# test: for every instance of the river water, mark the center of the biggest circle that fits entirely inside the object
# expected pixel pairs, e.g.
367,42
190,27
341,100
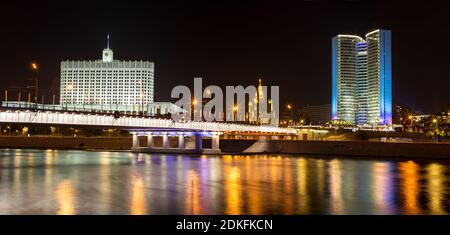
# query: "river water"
89,182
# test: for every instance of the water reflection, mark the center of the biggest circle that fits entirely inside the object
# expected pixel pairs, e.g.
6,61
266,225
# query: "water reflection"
409,172
192,193
383,187
232,186
81,182
435,188
302,185
335,177
65,198
138,201
254,198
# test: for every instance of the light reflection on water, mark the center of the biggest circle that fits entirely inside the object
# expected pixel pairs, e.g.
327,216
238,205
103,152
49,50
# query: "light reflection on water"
84,182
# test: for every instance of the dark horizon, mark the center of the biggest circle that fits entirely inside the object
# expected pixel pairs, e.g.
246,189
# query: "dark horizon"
231,43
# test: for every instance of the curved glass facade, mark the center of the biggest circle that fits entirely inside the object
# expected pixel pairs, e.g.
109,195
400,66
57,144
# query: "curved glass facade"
361,78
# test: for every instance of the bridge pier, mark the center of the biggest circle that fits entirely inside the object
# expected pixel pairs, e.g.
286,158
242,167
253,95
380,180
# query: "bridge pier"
135,141
215,141
182,147
198,141
165,144
181,141
150,143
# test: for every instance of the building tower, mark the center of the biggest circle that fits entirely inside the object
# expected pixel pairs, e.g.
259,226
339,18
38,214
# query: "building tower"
379,77
361,78
362,83
107,52
345,77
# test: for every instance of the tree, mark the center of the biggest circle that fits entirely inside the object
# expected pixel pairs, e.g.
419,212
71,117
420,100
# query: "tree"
435,126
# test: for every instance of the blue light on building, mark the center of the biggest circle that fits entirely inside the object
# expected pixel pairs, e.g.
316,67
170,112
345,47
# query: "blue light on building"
362,78
334,82
385,78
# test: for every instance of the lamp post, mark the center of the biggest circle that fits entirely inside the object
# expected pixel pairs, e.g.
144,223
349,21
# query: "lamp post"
250,112
69,88
235,109
271,109
36,83
436,130
289,107
194,103
101,104
141,97
29,100
6,97
411,121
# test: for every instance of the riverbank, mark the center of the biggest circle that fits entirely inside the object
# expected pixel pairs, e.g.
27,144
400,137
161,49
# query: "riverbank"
340,148
231,146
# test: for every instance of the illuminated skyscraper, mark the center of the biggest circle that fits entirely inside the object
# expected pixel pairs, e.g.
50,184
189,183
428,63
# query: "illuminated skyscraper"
379,77
362,83
361,78
344,77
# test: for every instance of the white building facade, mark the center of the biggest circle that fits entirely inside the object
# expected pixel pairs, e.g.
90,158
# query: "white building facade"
110,85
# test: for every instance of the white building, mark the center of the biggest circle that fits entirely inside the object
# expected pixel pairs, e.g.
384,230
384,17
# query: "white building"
110,85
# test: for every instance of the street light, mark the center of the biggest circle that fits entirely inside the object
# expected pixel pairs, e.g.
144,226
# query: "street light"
193,111
289,107
235,109
69,88
250,112
436,126
411,119
141,98
34,66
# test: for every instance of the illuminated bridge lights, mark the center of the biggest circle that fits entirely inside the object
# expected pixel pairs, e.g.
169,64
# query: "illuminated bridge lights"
84,119
176,134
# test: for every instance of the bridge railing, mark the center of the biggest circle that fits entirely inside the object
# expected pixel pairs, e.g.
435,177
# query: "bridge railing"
63,118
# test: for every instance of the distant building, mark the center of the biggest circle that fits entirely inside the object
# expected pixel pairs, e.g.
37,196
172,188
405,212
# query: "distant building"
361,78
316,114
397,115
108,84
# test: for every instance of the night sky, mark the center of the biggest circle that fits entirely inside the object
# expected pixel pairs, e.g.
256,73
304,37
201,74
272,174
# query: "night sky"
230,43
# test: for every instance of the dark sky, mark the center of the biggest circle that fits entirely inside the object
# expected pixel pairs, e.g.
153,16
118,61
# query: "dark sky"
230,43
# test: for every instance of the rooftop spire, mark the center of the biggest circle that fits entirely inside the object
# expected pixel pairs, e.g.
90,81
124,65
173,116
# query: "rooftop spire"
107,52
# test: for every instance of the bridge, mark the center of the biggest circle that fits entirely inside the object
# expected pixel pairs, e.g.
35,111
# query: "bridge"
144,126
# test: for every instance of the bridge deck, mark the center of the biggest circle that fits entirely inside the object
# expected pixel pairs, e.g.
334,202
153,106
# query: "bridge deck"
127,122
